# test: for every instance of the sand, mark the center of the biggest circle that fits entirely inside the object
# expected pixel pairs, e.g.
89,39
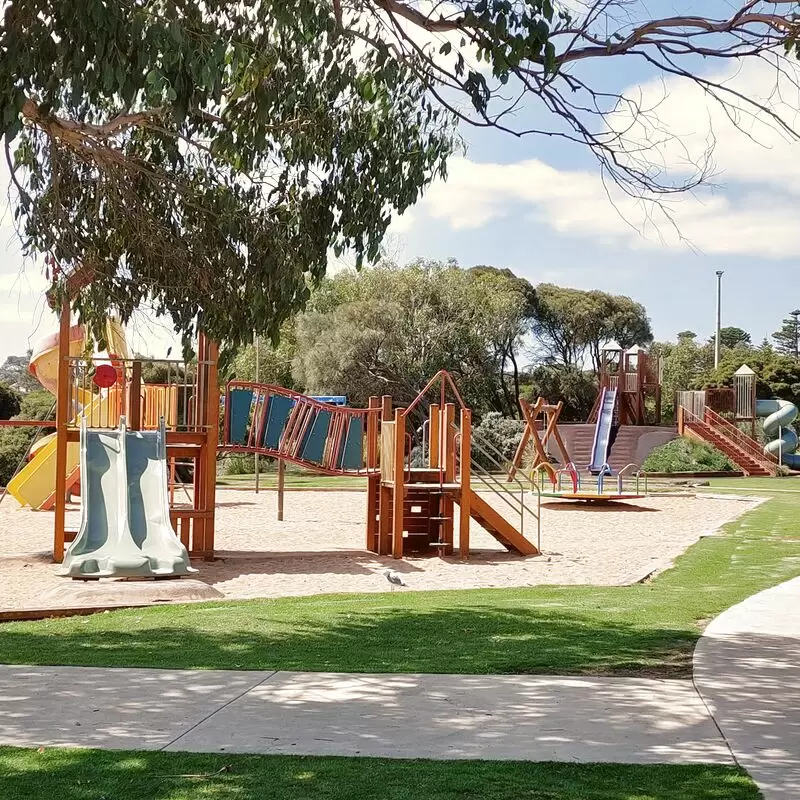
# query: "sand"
319,548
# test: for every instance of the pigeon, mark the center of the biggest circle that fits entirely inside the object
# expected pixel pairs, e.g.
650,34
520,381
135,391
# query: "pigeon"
395,578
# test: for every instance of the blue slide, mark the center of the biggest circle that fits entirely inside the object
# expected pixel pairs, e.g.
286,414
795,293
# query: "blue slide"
602,430
779,416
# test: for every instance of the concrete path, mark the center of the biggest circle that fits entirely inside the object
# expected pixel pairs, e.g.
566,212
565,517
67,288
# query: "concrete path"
747,669
401,716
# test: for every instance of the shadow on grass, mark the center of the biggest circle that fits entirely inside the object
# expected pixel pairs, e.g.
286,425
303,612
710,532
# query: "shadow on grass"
380,634
91,775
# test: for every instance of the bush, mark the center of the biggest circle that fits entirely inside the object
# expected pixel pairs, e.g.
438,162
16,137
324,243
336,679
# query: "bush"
687,455
241,465
9,401
15,441
502,433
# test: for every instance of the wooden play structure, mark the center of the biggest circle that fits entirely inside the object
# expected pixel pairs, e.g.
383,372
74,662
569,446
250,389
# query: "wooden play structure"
188,402
412,491
634,378
541,416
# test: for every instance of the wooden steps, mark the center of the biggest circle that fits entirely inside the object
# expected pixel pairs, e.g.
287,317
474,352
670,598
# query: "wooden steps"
743,460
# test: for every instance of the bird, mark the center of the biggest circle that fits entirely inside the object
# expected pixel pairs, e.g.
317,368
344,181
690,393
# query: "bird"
395,578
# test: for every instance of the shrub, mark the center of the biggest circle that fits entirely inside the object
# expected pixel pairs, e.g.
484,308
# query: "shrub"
687,455
15,441
241,465
9,401
502,433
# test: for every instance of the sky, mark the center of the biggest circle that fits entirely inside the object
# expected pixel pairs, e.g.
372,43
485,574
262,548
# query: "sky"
540,207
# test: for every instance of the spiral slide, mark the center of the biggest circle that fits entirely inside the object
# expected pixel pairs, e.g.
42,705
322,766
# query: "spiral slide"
34,485
779,415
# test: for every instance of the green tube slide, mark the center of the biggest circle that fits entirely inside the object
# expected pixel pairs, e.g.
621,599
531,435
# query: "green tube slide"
778,416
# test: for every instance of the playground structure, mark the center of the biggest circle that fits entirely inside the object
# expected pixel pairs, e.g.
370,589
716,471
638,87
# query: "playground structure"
100,390
548,414
721,416
410,502
633,379
541,427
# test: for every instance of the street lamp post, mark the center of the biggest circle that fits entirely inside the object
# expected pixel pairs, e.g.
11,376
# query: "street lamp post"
720,273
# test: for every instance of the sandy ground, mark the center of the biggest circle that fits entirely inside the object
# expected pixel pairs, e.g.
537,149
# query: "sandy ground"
319,547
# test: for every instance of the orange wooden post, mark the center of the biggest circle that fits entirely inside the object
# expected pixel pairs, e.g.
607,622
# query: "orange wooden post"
385,492
62,420
516,462
281,487
466,490
373,480
434,428
447,462
135,397
398,483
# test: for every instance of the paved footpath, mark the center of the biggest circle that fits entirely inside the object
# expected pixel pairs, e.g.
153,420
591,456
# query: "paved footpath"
403,716
747,669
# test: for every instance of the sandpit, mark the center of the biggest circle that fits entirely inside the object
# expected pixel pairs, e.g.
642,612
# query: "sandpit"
319,548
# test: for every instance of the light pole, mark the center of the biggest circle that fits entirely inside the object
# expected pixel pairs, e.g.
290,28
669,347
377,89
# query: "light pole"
720,273
795,314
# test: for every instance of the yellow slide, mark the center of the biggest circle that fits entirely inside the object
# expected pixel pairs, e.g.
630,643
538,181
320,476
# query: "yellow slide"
34,485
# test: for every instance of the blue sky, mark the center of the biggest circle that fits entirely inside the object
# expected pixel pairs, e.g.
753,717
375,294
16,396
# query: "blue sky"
538,207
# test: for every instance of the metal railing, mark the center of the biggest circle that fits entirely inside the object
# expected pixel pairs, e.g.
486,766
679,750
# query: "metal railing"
500,488
733,435
639,474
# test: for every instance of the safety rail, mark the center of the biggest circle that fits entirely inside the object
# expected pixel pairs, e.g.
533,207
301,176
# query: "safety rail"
570,469
491,482
540,470
174,397
734,436
640,473
299,429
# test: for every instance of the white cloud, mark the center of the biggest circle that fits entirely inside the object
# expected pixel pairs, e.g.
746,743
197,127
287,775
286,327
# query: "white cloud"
751,209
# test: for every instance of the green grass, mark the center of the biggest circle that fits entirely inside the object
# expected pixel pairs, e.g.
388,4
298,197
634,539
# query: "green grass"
647,629
99,775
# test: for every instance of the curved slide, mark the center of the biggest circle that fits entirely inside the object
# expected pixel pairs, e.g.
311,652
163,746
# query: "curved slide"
34,485
779,415
125,528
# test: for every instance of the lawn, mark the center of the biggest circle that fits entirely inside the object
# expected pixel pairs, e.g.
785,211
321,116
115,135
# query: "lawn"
103,775
647,629
293,480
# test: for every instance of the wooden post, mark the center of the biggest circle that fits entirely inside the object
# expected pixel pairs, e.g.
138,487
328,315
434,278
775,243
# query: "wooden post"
399,483
465,459
448,437
135,398
62,421
385,491
434,429
281,477
373,480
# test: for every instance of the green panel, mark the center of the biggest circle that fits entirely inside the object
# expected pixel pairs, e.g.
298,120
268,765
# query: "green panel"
352,452
239,415
316,436
277,414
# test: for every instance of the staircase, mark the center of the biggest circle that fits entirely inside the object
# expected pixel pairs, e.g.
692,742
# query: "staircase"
728,439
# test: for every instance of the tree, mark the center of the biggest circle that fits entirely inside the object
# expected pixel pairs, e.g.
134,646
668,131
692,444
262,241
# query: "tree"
16,374
388,330
9,401
205,157
569,323
686,335
787,338
576,388
731,337
274,360
685,365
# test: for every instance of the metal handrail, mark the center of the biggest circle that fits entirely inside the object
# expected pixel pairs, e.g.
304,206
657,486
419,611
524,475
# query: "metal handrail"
738,439
570,469
503,492
544,466
639,473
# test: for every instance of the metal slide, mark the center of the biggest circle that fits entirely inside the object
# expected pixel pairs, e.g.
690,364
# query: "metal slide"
125,528
602,430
